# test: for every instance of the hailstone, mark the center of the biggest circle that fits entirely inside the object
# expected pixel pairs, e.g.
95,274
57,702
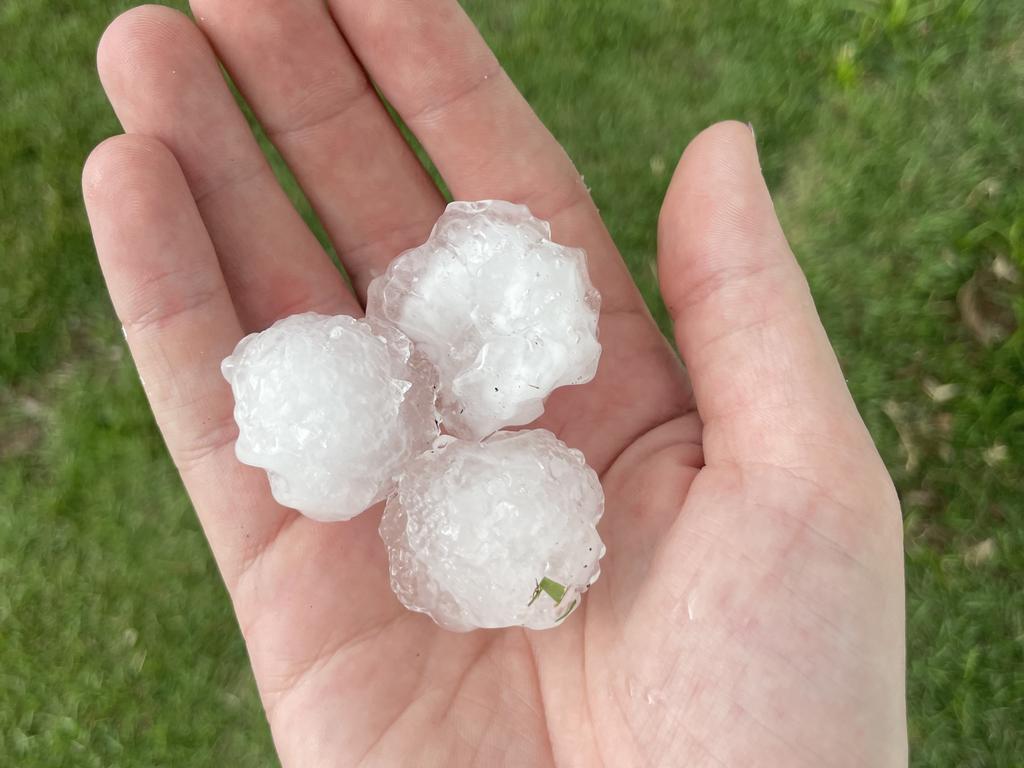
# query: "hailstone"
505,314
496,533
332,408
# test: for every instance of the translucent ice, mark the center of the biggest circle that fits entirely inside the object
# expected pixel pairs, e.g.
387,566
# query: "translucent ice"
489,534
505,314
332,408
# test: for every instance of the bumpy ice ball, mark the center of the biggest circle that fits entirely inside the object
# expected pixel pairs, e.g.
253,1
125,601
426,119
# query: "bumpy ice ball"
505,314
332,408
496,533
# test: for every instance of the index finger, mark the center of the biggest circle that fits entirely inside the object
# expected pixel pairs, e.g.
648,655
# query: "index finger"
432,65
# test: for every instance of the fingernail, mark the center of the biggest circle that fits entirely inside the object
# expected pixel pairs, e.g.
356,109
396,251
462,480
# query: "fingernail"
757,149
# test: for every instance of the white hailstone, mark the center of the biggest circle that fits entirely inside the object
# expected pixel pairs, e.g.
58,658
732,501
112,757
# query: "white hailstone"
496,533
332,408
505,314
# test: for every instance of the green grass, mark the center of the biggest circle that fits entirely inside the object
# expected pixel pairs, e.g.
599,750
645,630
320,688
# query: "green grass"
891,134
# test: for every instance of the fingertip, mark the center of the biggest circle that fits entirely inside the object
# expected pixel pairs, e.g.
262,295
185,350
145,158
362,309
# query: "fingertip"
96,167
122,166
135,42
132,185
723,160
718,219
723,134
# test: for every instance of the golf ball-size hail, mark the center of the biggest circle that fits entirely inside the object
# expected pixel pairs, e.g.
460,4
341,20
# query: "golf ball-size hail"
496,533
333,408
504,314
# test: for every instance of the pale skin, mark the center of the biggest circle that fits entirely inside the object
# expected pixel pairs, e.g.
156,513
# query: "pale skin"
750,610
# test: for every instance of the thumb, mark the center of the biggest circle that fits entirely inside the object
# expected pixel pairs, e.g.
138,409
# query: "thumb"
766,381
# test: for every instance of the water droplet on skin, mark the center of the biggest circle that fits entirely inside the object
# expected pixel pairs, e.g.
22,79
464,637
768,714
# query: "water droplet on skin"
652,697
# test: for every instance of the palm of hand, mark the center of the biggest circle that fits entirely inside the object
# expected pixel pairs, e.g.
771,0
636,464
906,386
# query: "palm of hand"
750,609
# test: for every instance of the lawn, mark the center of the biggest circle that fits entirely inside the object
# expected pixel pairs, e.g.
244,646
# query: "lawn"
890,133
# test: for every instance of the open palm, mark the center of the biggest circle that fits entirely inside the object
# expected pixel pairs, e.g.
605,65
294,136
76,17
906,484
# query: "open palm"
751,605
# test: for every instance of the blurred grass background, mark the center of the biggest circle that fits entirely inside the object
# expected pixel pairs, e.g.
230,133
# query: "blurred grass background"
890,133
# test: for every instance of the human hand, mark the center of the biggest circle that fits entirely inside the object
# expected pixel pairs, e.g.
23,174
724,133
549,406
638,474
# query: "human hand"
750,609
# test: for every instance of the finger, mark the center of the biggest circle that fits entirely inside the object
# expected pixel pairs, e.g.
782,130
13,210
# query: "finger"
170,296
163,81
432,65
766,381
317,106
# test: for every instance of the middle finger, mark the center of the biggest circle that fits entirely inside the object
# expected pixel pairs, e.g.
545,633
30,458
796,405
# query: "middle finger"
320,110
